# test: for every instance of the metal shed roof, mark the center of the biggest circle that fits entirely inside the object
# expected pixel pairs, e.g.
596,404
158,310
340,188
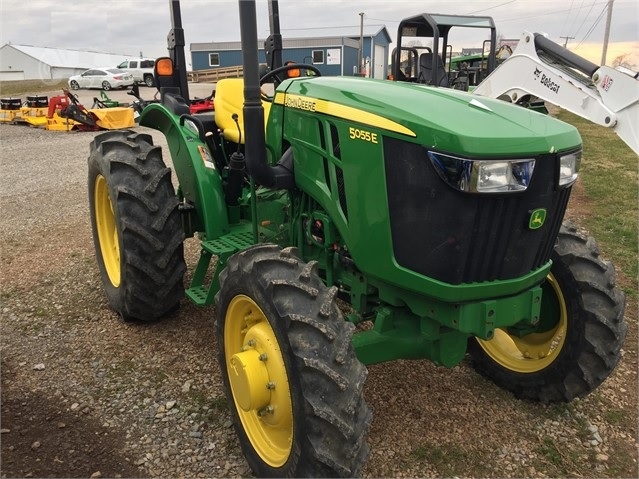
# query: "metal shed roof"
66,58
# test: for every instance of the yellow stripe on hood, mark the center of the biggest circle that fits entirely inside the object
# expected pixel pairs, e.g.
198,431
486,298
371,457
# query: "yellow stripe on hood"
340,111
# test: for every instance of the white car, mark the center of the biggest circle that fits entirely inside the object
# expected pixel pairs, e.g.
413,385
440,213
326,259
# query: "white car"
103,78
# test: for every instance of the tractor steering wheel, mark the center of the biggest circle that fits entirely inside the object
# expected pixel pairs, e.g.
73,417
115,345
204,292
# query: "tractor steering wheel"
291,66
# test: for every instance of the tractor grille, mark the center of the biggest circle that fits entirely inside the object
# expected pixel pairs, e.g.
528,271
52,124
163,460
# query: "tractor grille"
458,237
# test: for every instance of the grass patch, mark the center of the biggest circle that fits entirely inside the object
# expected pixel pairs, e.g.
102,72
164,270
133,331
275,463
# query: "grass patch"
622,460
449,460
446,459
616,416
122,369
610,179
200,398
218,410
41,312
213,410
549,451
157,377
19,87
558,461
220,403
5,295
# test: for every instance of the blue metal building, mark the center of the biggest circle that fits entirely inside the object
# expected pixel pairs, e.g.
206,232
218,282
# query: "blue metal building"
333,55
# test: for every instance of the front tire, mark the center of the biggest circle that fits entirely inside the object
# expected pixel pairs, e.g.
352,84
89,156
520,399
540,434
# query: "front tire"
74,85
136,225
578,341
294,384
148,80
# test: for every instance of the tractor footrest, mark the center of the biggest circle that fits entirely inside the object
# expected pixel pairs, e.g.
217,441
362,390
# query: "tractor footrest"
198,294
230,243
204,294
218,247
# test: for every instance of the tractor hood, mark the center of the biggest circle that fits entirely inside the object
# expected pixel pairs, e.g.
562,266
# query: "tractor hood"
439,118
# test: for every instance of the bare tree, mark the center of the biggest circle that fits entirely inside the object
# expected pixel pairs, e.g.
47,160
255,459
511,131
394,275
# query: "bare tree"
623,61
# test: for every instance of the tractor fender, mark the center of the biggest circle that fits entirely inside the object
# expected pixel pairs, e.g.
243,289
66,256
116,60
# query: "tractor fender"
199,179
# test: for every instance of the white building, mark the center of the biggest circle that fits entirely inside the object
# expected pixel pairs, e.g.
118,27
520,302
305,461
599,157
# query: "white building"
24,62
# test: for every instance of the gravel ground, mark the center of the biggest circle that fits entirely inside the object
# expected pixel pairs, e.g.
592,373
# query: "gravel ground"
86,395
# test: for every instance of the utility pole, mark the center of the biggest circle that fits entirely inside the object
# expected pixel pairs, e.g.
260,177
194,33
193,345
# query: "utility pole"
566,42
607,32
361,43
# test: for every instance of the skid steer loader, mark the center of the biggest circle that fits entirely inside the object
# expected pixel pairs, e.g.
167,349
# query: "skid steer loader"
435,214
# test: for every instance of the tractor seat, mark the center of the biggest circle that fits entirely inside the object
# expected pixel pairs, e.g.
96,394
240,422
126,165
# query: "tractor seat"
229,100
438,77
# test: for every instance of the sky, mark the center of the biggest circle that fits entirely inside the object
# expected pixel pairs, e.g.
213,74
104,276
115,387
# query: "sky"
135,27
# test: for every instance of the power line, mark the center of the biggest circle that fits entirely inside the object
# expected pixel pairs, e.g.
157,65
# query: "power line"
490,8
586,17
594,25
607,32
541,14
575,17
388,20
567,16
383,20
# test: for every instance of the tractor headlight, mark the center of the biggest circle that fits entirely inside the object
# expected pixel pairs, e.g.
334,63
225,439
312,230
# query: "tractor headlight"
483,176
569,168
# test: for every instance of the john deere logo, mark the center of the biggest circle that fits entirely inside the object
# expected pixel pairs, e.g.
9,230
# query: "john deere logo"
537,218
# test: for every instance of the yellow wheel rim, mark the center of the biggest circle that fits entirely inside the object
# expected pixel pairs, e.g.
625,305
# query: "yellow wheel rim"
258,380
107,231
535,351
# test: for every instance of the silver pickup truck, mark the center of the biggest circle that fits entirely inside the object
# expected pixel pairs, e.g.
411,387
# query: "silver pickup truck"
141,68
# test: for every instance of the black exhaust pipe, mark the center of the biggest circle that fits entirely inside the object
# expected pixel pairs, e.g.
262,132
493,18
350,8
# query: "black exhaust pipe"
279,176
176,43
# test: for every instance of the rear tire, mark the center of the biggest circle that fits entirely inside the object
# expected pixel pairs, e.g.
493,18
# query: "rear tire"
293,382
136,225
148,80
106,85
579,338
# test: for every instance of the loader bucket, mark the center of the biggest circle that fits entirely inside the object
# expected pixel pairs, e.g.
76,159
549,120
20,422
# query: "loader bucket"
114,118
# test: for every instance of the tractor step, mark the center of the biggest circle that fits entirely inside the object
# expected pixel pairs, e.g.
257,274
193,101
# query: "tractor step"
200,293
231,242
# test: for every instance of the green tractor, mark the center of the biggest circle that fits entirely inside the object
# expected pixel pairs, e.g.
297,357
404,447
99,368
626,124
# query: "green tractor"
347,221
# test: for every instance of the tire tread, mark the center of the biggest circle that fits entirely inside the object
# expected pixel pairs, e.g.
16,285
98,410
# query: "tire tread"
149,224
596,333
335,415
